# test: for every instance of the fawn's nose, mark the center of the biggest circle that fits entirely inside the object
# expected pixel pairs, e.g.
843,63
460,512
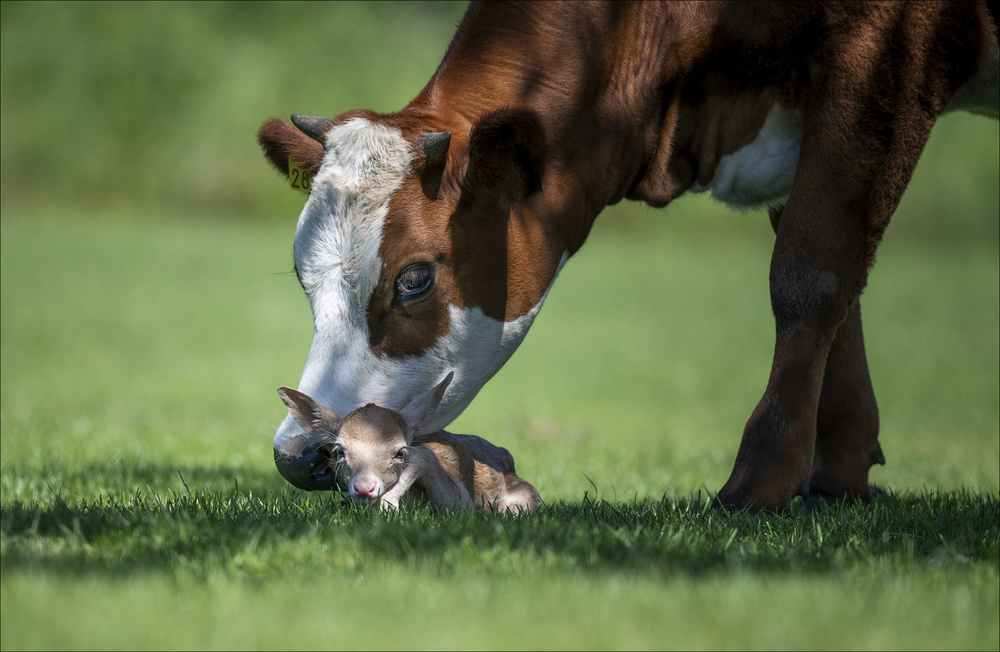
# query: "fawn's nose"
362,488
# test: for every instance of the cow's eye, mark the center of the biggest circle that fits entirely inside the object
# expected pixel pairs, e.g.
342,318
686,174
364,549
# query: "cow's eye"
414,280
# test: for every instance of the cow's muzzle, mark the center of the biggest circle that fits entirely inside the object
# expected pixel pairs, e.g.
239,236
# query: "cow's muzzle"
309,470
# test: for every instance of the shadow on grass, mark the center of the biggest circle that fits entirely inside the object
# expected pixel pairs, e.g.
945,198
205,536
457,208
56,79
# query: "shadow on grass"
121,519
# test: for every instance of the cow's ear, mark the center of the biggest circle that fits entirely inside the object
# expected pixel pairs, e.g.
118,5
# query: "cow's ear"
281,141
506,152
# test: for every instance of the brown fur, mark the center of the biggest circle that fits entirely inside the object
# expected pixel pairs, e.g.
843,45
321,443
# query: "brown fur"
374,454
280,140
486,471
558,109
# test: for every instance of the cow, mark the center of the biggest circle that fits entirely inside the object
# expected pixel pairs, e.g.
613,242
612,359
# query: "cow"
432,236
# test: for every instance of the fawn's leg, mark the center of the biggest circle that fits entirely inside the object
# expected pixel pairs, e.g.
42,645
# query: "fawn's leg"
410,475
441,489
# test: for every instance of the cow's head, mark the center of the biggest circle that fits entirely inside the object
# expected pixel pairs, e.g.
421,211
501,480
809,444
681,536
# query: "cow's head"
419,257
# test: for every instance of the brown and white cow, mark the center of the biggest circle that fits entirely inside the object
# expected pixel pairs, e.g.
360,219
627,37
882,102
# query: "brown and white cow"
432,235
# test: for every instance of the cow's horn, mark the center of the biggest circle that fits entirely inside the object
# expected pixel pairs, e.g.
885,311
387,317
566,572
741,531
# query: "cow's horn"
312,126
435,145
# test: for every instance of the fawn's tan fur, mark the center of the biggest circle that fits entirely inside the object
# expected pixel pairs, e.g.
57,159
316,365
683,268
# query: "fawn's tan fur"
375,453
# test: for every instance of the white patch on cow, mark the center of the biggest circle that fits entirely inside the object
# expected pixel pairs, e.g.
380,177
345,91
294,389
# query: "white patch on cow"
342,373
760,173
340,229
337,256
981,94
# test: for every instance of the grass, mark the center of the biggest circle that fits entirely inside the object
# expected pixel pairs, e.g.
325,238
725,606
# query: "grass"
149,310
140,507
228,569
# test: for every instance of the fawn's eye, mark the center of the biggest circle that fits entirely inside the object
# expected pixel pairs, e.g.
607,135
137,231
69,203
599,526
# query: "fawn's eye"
336,454
401,455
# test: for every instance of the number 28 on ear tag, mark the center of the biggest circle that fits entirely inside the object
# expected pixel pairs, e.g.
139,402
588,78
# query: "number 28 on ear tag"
299,178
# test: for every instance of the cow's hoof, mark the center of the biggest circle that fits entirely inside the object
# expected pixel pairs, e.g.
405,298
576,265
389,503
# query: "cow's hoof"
738,501
815,499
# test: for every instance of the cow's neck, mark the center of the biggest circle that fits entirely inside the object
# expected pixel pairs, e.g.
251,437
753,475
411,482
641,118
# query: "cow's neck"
603,129
624,115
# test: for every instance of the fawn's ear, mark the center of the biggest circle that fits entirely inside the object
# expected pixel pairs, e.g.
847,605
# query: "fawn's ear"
315,419
423,407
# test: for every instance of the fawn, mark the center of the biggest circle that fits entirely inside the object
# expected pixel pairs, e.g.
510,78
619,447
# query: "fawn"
375,453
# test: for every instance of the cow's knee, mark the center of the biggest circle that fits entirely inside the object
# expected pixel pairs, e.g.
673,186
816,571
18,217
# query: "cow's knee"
810,295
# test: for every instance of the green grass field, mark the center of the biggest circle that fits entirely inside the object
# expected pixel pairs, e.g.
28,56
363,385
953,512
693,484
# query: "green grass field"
149,310
140,507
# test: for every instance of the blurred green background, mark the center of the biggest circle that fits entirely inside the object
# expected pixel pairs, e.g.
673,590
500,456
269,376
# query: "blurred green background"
150,108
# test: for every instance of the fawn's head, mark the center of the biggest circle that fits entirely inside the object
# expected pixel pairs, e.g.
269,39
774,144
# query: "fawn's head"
368,449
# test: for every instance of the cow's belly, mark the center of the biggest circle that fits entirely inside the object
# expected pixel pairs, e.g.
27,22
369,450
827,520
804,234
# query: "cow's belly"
760,173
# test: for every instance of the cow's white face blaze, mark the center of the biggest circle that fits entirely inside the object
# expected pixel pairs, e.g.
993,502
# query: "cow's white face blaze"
394,316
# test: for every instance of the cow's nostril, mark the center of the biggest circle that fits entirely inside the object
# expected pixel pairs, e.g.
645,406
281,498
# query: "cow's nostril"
323,476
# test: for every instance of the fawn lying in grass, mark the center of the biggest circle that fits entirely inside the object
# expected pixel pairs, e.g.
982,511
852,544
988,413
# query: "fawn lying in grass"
374,452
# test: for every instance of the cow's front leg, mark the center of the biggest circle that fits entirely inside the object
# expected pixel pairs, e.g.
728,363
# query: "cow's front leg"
865,123
816,277
847,419
847,422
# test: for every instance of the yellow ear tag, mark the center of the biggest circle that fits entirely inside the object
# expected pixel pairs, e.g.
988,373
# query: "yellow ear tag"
298,178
